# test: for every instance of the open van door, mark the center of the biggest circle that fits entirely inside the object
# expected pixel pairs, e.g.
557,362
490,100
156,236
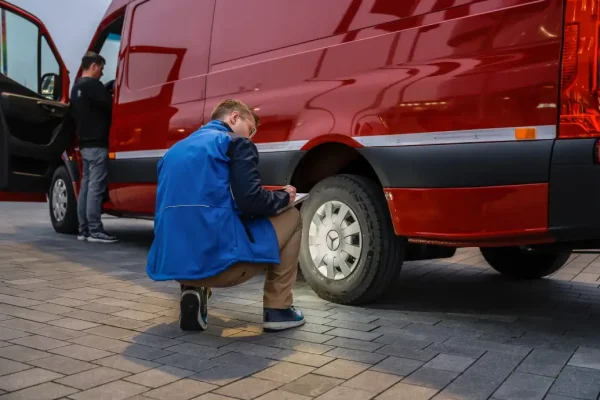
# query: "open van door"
35,127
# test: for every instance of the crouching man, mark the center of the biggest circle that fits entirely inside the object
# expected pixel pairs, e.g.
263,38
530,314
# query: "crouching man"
215,225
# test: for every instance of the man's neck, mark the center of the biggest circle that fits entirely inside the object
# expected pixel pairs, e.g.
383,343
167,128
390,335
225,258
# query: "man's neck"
84,75
226,125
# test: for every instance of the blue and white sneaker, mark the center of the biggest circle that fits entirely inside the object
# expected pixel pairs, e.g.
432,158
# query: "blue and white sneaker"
83,236
101,237
278,320
193,309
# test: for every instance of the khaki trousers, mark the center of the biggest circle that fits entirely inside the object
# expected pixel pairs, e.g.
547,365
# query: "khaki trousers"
279,279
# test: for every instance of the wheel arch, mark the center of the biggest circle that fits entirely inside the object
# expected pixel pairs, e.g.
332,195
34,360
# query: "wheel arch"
72,168
328,159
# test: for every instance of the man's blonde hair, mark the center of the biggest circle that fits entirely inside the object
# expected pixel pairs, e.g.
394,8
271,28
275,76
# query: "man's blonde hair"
226,107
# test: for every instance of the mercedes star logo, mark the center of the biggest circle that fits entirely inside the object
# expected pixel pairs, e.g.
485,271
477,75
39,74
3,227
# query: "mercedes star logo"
333,240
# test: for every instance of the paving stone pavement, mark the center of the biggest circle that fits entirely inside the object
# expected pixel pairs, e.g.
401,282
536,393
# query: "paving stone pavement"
83,321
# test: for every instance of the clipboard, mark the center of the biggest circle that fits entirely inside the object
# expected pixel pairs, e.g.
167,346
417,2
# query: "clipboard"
300,197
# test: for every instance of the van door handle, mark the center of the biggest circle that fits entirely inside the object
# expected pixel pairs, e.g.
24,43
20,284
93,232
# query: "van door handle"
48,107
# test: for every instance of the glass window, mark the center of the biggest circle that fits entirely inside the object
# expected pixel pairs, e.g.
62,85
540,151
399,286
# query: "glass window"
110,52
19,49
49,66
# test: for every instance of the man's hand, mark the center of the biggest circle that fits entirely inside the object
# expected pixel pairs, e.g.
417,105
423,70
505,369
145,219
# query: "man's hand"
291,191
110,86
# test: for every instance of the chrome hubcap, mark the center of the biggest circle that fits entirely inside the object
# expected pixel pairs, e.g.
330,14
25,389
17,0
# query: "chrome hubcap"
59,200
335,240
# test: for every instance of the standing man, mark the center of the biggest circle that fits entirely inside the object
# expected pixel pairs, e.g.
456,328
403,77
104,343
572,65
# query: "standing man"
216,226
91,104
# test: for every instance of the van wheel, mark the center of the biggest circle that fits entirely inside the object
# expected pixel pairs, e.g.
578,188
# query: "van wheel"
349,252
62,202
519,264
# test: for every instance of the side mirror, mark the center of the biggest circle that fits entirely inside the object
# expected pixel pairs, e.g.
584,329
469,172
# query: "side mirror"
50,86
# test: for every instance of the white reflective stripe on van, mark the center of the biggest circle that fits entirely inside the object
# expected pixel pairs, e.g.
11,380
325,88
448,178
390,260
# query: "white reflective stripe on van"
542,132
280,146
127,155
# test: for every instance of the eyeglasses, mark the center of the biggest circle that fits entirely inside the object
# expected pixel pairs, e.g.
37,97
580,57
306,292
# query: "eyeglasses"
252,130
252,133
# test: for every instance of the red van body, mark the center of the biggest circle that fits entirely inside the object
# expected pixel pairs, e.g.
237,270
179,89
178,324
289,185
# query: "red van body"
439,123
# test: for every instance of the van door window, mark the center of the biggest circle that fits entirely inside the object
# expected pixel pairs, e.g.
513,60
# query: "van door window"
19,41
26,57
110,52
49,72
109,47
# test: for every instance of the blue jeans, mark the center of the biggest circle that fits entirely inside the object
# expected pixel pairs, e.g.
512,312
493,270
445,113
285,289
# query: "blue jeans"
93,186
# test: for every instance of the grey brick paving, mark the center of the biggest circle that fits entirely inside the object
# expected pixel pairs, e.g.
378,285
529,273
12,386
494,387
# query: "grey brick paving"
343,369
9,366
63,365
248,388
431,378
581,383
23,379
586,358
84,321
523,387
403,391
225,374
398,366
408,352
184,361
450,363
372,381
45,391
545,362
312,385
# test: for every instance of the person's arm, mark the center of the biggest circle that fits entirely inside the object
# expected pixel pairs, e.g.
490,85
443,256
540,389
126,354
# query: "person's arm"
99,96
246,188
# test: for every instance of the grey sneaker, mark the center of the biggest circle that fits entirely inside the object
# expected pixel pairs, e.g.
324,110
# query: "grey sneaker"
101,237
83,236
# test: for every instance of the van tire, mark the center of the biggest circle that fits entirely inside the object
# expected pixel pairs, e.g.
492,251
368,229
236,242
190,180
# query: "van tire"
61,180
518,264
382,254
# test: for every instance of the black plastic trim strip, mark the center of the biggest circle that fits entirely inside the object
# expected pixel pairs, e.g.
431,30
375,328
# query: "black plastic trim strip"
461,165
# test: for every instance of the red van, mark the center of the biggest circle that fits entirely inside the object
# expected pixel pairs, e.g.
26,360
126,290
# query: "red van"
418,126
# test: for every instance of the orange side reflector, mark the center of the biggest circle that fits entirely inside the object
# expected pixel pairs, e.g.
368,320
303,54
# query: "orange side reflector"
525,133
111,156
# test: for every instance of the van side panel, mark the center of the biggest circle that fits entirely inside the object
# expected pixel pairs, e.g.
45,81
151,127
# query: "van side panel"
404,78
475,65
165,54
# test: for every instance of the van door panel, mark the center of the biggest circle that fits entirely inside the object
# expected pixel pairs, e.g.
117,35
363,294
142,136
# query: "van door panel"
34,133
156,107
35,130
